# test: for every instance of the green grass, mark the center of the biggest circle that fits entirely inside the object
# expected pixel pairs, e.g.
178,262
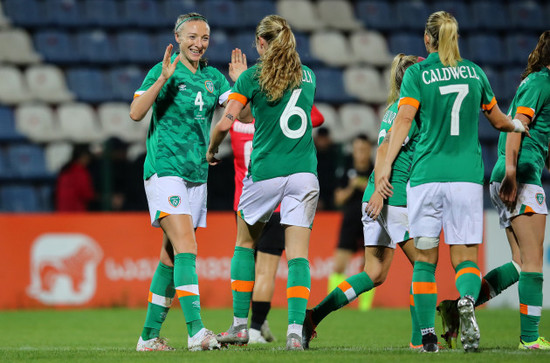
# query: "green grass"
110,335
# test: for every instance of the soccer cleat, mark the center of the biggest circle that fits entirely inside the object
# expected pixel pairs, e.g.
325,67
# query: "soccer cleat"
469,330
294,342
255,337
154,344
203,340
415,347
266,332
308,331
450,321
540,343
237,335
429,343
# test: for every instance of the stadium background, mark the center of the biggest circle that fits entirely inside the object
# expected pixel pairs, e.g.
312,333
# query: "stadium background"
68,70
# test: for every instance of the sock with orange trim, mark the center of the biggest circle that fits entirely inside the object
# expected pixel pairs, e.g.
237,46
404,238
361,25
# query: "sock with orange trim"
416,335
297,290
468,279
530,304
242,282
187,289
161,294
342,295
497,280
424,290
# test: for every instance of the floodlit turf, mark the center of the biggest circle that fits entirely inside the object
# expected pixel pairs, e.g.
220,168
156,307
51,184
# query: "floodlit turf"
381,335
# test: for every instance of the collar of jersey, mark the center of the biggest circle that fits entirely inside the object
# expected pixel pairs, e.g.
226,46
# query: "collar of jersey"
180,65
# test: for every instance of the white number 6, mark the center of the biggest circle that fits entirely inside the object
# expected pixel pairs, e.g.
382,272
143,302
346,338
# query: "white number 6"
290,110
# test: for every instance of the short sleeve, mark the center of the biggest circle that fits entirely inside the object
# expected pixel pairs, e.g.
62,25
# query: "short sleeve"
243,89
488,100
530,99
150,78
410,89
224,87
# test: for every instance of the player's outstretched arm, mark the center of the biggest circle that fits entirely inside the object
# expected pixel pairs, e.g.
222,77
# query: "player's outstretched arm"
221,129
502,122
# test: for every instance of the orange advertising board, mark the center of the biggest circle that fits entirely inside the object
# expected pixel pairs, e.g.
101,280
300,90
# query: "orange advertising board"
108,259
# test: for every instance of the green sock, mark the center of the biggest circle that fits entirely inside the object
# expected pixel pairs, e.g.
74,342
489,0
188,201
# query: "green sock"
530,304
242,280
497,280
334,280
187,288
468,279
424,291
342,295
297,289
416,336
161,294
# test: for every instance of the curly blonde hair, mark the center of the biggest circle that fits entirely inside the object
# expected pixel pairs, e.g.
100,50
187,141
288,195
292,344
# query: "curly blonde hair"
398,67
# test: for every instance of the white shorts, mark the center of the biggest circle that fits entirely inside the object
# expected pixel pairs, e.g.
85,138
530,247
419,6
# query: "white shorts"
530,199
391,226
173,195
298,194
457,207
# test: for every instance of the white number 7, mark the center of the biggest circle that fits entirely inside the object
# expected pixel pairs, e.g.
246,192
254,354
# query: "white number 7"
462,90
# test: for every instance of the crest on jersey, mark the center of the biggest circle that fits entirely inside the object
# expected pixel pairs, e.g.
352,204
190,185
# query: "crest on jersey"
209,86
175,200
540,198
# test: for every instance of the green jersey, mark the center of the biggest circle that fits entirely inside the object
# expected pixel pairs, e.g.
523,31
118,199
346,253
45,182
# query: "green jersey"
179,132
282,143
532,99
448,100
402,165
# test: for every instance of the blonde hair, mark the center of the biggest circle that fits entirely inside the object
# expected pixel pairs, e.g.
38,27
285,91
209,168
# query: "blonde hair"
539,57
279,67
178,27
398,67
442,28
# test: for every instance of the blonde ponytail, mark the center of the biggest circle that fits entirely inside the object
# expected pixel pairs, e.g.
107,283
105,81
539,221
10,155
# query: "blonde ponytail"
398,67
442,28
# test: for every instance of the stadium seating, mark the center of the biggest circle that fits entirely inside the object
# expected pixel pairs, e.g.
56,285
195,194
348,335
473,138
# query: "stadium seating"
4,21
511,79
64,13
5,172
332,47
124,82
174,8
27,161
460,11
338,14
304,49
375,14
47,83
25,13
519,46
219,50
8,132
366,84
489,154
135,47
37,122
17,47
357,119
57,154
526,15
102,13
301,14
161,40
78,122
13,89
252,11
89,84
143,13
406,43
487,133
486,49
19,198
56,46
370,47
220,13
332,122
412,15
489,15
96,46
114,119
330,86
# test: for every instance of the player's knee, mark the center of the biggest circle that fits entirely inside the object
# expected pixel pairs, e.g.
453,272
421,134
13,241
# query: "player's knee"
377,276
426,243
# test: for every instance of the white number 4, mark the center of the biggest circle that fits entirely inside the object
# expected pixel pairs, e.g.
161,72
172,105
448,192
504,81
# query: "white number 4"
461,90
198,101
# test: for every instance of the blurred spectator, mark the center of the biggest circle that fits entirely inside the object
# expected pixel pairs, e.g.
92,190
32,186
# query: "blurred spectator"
74,188
327,163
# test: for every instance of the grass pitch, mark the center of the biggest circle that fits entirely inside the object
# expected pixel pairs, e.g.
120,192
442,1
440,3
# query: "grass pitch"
380,335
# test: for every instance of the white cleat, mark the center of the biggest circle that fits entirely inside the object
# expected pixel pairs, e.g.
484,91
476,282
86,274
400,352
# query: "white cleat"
468,325
203,340
255,337
154,344
266,332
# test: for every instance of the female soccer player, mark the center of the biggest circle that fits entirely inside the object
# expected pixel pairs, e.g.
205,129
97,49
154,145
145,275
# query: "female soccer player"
516,189
282,169
446,182
385,222
183,92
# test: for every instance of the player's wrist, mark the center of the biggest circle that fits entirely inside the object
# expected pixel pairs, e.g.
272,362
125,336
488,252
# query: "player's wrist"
518,125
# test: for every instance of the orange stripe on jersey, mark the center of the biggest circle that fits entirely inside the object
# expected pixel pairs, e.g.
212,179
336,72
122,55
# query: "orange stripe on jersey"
136,95
411,299
238,97
344,286
409,101
150,297
242,286
528,209
523,309
297,291
163,214
489,106
468,270
424,288
526,111
182,293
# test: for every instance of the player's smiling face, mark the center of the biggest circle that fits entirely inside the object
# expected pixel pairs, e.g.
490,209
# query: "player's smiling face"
193,40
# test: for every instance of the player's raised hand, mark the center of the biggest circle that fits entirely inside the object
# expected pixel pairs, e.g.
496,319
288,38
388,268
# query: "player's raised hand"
237,65
168,67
